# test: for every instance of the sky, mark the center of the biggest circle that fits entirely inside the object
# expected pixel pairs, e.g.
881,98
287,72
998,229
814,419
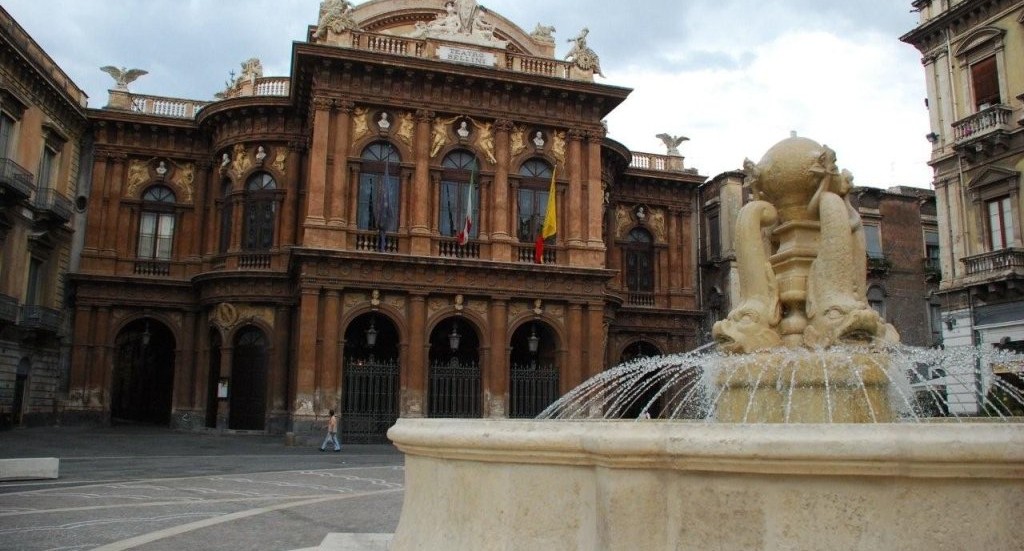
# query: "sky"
734,76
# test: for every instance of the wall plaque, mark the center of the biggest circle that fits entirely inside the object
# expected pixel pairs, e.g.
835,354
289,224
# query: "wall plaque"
463,55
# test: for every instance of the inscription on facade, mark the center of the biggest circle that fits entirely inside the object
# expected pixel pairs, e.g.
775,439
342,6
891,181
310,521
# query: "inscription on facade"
463,55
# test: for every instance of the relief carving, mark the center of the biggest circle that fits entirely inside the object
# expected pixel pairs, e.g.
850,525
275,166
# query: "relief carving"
485,140
138,173
623,220
360,126
184,176
406,126
241,162
558,147
518,140
657,224
280,160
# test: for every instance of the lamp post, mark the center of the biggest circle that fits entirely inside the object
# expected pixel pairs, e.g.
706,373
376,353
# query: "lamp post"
533,342
454,338
371,335
146,336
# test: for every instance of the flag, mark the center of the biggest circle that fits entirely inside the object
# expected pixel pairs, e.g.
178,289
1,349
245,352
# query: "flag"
463,237
550,227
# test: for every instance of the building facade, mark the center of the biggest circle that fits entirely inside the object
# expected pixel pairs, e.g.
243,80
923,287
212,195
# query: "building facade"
973,57
42,123
425,218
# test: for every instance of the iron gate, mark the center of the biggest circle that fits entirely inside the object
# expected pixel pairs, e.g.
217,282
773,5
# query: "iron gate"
369,400
532,388
454,390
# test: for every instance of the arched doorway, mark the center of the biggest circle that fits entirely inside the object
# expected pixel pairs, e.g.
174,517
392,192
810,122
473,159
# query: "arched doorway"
369,379
143,373
213,378
646,400
247,390
534,373
21,394
454,379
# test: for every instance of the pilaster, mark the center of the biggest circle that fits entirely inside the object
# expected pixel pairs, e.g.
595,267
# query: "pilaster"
419,228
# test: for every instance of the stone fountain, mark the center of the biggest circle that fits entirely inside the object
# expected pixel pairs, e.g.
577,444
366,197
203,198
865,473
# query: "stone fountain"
780,461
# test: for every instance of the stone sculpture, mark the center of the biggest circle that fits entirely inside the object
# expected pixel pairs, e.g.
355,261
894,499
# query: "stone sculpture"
582,56
123,76
816,272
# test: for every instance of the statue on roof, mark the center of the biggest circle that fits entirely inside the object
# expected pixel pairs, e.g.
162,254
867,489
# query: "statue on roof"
462,21
672,143
581,55
335,16
123,76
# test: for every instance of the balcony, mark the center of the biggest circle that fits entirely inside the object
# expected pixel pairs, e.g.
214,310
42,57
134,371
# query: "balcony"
996,263
39,318
15,182
154,268
8,309
983,132
449,248
52,206
932,270
643,299
878,266
524,254
370,241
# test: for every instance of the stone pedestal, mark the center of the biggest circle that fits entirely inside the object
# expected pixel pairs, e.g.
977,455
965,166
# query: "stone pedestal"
776,387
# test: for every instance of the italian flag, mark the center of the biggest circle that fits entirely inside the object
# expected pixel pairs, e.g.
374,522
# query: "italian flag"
463,236
550,227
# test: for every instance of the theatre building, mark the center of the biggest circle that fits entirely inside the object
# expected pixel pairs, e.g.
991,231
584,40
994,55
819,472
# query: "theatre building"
362,235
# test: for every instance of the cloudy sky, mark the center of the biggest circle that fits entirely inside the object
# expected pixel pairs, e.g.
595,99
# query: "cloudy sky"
735,76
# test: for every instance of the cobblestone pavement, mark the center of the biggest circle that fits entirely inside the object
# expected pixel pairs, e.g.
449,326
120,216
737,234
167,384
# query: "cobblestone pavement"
147,488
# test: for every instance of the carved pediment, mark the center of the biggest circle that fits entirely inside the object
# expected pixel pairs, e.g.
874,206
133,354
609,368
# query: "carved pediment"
981,38
993,181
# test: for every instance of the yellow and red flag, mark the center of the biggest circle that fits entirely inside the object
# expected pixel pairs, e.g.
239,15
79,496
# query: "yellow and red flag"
550,227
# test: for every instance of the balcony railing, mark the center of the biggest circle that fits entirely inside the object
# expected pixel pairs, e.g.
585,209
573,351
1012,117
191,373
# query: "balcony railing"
640,298
996,117
525,254
49,202
15,181
40,318
254,261
661,163
993,262
157,268
450,248
8,309
370,241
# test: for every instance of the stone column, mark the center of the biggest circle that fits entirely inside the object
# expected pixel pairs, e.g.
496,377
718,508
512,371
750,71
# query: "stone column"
293,175
81,360
339,165
279,367
304,376
574,372
316,195
501,241
595,198
497,393
112,204
414,368
227,357
200,207
573,214
100,371
94,221
330,387
676,248
594,356
419,225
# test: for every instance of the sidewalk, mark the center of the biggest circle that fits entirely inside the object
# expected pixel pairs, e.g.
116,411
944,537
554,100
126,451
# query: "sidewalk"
133,486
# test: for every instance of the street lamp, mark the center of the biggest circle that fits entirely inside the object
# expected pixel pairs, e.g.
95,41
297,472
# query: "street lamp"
146,336
371,335
454,338
533,341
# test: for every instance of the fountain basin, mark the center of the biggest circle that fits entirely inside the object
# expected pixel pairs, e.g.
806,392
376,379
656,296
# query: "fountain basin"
596,485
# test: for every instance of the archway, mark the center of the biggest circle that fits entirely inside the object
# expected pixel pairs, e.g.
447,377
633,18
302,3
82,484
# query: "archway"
21,388
247,389
533,370
454,381
646,401
369,379
143,382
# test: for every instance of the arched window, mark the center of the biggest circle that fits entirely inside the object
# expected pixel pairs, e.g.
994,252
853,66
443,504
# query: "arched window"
460,194
226,215
260,208
378,188
156,225
533,198
639,268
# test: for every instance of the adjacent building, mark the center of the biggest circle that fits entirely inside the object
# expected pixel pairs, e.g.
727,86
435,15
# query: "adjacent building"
973,57
42,125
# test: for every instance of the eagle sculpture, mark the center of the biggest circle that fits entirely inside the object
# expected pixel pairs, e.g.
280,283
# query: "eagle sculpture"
123,76
672,142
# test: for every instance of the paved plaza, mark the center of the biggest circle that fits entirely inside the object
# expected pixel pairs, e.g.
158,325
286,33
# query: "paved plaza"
148,488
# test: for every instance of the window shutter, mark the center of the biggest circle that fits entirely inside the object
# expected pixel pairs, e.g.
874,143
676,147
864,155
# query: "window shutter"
985,79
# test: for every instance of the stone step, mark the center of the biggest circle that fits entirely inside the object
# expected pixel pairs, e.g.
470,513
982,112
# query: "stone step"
356,542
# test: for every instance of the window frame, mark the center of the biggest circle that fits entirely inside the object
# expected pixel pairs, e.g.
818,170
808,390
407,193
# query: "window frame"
982,44
259,221
534,187
377,160
158,215
456,178
639,244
